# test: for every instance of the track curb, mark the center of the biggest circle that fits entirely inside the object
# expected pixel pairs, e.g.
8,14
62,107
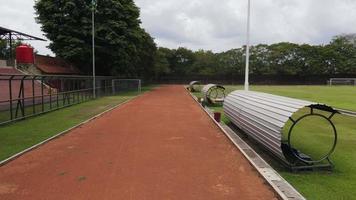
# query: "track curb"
17,155
347,112
282,188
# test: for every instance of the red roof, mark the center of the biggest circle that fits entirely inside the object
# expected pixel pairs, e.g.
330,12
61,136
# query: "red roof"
51,69
52,65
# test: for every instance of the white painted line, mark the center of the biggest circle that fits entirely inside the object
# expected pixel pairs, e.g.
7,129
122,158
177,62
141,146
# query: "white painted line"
284,190
347,112
4,162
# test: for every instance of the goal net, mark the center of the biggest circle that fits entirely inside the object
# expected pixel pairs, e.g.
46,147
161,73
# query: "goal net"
126,85
342,81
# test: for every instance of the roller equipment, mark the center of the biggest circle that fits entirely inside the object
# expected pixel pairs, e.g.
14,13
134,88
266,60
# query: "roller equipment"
264,117
213,93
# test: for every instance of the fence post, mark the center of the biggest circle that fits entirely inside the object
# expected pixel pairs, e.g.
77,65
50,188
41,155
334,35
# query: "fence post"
139,86
42,98
50,94
113,86
10,95
33,96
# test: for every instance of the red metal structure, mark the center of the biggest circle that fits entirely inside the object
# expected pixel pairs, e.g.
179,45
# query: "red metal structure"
24,54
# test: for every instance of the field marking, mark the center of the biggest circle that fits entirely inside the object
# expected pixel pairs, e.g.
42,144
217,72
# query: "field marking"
17,155
346,112
284,189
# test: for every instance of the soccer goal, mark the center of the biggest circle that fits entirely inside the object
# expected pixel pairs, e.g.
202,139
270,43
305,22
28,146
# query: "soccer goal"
126,85
342,81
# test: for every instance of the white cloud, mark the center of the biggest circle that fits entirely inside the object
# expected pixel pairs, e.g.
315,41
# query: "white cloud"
217,25
221,25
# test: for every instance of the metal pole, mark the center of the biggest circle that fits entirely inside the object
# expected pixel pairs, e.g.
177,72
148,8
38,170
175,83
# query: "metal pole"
93,46
42,93
247,47
33,96
10,96
10,53
139,86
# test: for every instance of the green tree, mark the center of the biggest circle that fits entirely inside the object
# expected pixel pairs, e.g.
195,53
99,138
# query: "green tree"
260,60
309,60
5,48
122,46
162,66
284,58
231,62
340,55
205,63
182,61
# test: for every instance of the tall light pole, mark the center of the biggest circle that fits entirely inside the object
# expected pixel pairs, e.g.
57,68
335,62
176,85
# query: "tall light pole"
247,46
93,45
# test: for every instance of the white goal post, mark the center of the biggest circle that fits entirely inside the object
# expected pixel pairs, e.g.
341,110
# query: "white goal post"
126,85
342,81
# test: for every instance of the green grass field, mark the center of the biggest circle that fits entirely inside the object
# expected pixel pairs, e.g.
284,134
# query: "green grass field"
341,183
21,135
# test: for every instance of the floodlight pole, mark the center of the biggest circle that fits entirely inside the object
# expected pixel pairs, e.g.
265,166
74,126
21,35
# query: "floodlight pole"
247,47
93,46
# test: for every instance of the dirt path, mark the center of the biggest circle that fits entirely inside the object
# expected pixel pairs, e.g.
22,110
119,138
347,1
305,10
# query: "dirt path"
158,146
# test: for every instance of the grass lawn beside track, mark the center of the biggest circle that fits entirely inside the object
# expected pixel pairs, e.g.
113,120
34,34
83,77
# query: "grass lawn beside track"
341,183
343,97
5,114
21,135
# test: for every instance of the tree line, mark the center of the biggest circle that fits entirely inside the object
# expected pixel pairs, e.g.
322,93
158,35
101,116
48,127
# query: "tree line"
337,57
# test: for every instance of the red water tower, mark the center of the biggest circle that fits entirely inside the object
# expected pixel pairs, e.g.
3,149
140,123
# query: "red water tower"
24,54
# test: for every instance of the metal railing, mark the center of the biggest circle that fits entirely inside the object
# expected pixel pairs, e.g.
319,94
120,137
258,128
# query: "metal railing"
23,96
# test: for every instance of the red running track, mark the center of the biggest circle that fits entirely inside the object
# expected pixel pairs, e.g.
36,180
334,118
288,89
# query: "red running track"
161,145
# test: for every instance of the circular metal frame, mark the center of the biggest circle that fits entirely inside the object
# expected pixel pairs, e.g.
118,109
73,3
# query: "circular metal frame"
216,91
213,93
192,86
327,155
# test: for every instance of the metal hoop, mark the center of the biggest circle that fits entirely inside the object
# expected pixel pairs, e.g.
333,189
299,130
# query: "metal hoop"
194,86
327,155
216,91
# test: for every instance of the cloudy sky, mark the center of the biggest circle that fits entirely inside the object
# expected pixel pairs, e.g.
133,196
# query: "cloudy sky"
218,25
